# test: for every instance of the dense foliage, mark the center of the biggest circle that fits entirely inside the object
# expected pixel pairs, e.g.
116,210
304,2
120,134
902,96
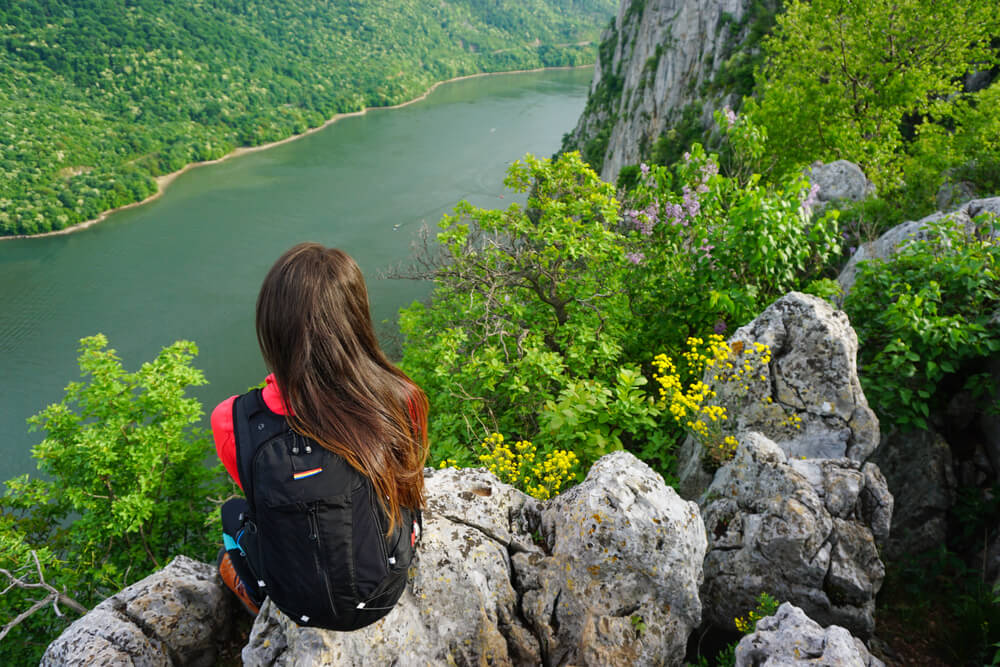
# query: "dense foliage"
98,97
124,488
856,80
546,318
922,321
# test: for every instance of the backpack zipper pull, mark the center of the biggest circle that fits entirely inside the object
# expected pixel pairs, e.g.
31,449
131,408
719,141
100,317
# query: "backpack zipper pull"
313,525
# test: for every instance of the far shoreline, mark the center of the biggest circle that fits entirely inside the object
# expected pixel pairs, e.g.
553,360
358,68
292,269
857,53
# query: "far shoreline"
164,181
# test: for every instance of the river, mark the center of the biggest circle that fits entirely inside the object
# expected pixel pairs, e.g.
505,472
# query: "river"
188,264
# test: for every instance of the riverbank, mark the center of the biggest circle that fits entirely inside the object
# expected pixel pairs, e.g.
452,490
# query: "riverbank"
163,182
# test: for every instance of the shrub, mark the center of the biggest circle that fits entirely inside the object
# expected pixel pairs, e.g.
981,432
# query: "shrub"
925,315
125,488
711,251
525,329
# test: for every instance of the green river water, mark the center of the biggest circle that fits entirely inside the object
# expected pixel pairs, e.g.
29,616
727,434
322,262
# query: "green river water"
188,265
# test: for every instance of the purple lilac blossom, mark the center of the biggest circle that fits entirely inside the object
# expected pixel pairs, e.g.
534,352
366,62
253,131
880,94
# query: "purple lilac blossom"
811,200
720,326
674,213
692,205
706,248
730,116
644,168
708,170
635,257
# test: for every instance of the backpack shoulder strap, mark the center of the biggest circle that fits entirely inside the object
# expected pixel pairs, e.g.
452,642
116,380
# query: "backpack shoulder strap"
253,425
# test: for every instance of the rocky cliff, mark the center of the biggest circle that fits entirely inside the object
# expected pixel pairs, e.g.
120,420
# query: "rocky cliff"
663,67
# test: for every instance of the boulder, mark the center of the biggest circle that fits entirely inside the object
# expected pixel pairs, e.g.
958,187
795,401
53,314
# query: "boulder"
812,376
918,469
618,580
792,638
807,531
607,573
172,617
839,181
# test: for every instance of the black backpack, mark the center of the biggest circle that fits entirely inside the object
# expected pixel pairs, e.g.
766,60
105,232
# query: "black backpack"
315,535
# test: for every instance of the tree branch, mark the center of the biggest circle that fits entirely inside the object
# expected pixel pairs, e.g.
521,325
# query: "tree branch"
54,597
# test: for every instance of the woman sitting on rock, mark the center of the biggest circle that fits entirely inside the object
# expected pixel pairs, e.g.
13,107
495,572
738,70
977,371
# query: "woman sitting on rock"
330,453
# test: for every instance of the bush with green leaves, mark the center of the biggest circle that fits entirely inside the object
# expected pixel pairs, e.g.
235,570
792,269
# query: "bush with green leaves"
545,318
847,79
124,487
925,315
711,251
525,330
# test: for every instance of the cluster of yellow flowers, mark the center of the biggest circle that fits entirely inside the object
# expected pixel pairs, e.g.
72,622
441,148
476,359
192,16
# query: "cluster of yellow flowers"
448,463
692,408
516,465
794,420
738,364
766,606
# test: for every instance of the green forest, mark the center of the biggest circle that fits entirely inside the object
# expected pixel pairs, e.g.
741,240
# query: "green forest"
99,97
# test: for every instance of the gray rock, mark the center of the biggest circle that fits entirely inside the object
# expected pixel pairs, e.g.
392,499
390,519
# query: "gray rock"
792,638
951,193
840,181
619,553
976,207
812,376
918,468
622,548
805,531
172,617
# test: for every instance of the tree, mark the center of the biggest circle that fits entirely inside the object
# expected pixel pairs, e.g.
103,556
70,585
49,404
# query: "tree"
843,76
524,334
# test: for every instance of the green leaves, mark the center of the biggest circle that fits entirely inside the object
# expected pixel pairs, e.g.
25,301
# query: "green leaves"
524,332
125,484
843,76
923,316
723,246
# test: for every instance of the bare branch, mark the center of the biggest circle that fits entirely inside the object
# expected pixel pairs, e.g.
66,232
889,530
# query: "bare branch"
54,597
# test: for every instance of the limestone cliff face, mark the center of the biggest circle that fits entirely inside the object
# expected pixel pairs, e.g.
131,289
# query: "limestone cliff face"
660,60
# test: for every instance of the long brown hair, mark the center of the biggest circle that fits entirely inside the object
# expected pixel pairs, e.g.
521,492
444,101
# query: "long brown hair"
316,335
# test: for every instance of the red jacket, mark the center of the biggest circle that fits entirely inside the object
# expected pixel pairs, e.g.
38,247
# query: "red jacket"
222,425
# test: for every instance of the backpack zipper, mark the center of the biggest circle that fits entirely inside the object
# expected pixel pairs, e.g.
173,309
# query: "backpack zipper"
314,535
381,535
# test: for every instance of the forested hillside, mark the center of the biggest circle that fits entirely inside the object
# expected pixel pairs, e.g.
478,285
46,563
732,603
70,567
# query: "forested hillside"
98,97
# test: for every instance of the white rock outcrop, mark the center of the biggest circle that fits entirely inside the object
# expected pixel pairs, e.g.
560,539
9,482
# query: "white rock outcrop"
791,638
172,617
804,531
812,376
607,573
896,238
839,181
